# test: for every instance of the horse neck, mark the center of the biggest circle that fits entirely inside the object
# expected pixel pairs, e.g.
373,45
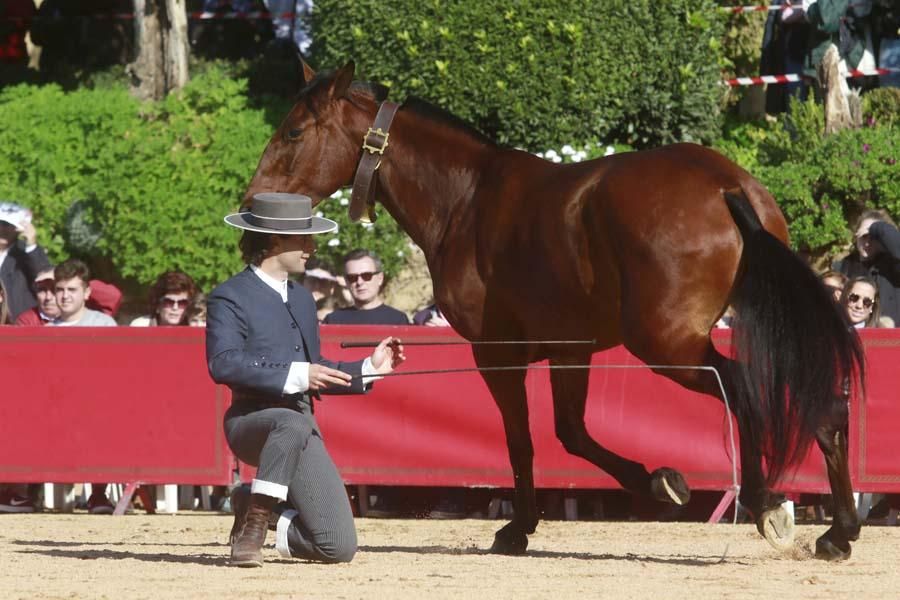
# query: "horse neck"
429,177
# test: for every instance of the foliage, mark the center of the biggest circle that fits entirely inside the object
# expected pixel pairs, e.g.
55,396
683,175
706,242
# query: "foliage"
145,187
881,106
821,182
741,45
538,74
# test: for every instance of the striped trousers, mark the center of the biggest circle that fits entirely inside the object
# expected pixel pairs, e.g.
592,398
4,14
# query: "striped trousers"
293,464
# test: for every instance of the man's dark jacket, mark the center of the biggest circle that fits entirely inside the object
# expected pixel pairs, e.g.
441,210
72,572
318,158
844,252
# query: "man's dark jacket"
17,274
252,337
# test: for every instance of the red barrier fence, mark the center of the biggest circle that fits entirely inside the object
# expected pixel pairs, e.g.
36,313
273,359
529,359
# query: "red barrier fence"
133,404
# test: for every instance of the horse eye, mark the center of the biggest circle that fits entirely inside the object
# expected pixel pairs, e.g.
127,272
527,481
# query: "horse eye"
293,134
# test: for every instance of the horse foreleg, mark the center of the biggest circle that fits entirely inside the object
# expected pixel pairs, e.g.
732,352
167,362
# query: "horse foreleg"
834,544
508,389
569,399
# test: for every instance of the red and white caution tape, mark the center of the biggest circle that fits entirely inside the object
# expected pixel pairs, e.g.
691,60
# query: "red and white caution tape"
198,16
791,77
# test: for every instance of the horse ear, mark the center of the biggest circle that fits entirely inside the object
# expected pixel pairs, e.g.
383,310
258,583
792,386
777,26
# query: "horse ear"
342,80
308,74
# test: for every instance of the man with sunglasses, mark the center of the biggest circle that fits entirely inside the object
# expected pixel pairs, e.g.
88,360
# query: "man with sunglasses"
364,276
877,255
262,340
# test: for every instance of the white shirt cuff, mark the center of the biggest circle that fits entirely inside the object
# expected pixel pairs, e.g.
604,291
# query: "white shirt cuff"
368,372
31,248
297,379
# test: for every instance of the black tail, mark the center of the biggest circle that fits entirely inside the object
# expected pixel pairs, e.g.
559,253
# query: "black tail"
795,352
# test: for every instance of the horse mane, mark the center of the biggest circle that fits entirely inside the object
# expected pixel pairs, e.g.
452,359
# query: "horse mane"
435,113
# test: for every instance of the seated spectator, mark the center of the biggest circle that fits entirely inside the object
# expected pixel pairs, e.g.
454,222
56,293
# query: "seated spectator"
105,297
46,309
21,258
877,256
72,286
365,276
196,313
835,282
169,300
430,316
860,300
4,309
324,286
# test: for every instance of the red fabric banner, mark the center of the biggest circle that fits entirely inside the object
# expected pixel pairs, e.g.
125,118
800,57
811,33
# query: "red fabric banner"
132,404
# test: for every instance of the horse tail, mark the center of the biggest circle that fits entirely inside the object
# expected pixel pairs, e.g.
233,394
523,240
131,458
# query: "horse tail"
796,354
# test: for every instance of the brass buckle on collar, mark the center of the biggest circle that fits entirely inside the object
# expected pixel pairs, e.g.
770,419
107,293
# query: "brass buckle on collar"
380,137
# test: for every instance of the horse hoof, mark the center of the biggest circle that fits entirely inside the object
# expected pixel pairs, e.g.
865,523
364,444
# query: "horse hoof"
510,542
777,526
828,550
667,485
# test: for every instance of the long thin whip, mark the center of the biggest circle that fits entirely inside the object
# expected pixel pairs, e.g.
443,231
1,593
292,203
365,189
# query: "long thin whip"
468,343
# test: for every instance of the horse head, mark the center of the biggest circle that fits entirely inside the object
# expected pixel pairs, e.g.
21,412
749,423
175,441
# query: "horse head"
316,148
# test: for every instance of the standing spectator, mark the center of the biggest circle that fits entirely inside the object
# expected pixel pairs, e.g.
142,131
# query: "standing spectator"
845,24
169,299
72,292
877,256
21,258
365,276
47,309
860,300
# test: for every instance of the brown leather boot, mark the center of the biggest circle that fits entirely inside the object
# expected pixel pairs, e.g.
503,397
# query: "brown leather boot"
247,548
240,502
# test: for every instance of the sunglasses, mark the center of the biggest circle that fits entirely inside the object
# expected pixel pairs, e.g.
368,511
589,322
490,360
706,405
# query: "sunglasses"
176,303
367,276
866,302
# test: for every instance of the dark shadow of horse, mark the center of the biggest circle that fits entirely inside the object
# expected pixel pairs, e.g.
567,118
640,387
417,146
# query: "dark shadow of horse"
645,249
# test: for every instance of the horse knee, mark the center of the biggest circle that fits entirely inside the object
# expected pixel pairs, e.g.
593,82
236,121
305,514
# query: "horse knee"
572,438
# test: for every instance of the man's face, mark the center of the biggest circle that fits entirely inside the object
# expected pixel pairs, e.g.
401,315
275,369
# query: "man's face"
363,279
8,235
868,248
293,251
45,291
71,294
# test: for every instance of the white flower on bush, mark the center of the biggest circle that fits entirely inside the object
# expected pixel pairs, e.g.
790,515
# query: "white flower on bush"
609,150
320,214
334,242
579,156
344,201
567,150
552,155
337,194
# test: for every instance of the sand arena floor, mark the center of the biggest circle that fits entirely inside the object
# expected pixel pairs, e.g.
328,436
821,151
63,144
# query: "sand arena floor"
184,556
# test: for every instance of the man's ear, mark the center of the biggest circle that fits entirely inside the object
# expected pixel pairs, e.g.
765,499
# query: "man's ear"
87,290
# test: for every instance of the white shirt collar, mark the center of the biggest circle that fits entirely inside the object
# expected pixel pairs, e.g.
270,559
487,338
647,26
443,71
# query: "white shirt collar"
3,254
278,286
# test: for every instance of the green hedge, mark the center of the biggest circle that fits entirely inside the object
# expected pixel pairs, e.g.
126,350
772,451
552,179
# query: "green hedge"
538,74
141,189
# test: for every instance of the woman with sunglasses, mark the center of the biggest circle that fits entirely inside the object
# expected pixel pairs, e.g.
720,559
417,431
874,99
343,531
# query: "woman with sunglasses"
169,300
860,301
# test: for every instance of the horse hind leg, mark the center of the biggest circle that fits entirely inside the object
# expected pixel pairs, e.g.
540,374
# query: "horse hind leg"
831,437
569,399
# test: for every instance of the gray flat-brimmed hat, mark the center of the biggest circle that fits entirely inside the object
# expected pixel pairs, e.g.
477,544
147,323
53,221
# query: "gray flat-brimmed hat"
284,214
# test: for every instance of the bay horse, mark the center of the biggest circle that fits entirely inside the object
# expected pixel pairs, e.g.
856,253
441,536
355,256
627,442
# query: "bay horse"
645,249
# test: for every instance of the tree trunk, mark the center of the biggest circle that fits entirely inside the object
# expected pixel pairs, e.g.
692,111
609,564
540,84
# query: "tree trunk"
838,114
161,36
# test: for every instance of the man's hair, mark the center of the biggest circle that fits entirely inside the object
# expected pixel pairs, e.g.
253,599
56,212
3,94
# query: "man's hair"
255,246
363,253
171,282
70,269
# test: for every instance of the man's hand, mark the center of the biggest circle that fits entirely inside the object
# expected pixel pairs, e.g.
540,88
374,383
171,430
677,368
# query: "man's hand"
388,355
28,234
321,377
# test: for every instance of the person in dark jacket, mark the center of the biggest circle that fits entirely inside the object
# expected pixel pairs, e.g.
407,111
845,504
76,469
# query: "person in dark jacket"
877,256
21,258
262,340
